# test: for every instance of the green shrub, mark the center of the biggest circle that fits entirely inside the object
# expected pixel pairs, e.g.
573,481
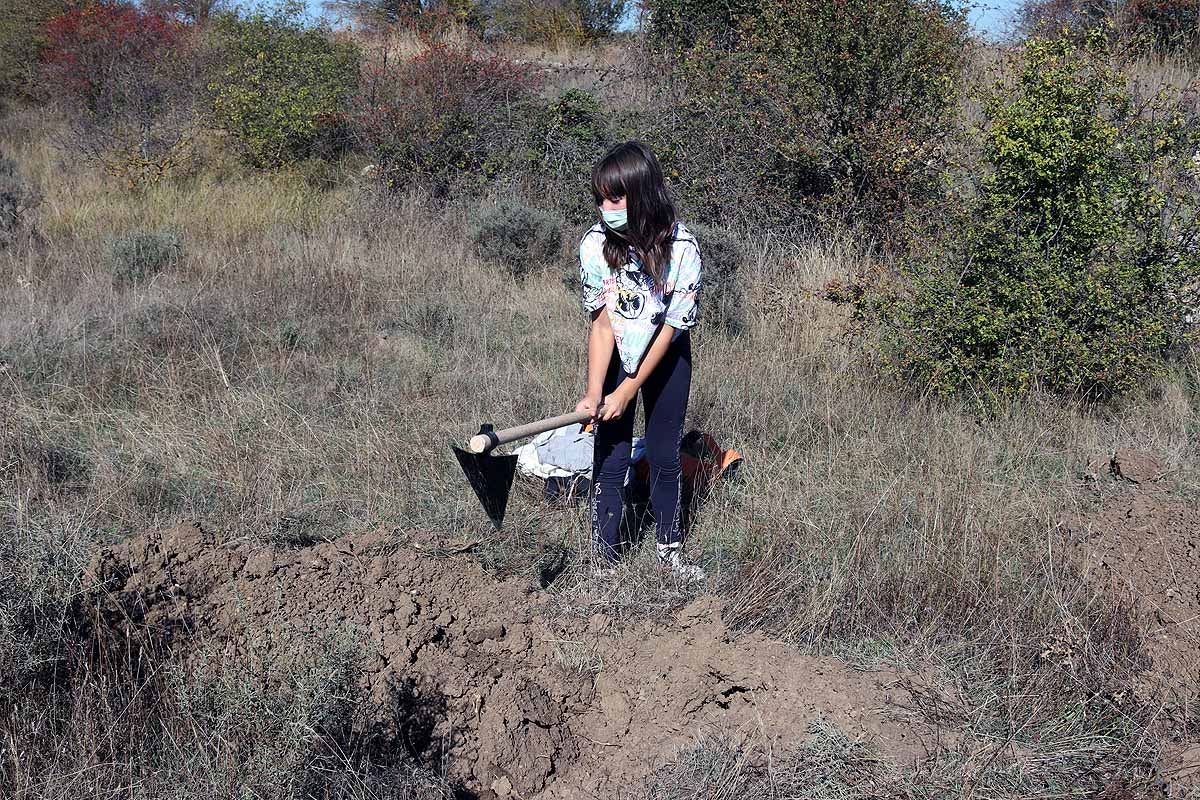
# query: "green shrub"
1070,267
722,257
136,257
516,236
815,107
566,137
277,85
679,24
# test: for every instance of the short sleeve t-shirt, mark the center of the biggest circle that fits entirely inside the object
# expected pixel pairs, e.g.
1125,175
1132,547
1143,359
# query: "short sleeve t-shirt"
635,306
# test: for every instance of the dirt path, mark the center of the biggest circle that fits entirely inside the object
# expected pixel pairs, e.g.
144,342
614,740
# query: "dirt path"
519,702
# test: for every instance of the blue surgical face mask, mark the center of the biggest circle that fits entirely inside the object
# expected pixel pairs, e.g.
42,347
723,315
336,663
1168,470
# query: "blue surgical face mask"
617,220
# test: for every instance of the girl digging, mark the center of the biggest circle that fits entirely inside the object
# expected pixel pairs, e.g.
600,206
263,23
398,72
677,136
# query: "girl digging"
641,280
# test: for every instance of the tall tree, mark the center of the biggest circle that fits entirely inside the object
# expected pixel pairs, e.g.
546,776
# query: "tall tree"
375,15
198,11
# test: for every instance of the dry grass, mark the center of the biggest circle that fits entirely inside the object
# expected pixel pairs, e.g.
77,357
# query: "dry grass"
826,764
282,724
305,367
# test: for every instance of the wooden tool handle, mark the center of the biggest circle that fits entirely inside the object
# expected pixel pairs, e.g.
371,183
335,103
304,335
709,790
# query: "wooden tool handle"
483,442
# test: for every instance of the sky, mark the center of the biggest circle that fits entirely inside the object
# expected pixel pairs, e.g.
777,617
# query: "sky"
992,18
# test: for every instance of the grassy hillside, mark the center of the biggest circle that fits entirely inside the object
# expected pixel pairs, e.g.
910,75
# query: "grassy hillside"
300,365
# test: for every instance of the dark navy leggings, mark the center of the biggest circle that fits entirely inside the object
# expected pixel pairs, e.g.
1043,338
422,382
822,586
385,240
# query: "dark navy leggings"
664,399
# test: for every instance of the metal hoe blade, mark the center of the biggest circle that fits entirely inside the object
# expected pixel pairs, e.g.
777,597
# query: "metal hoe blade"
491,477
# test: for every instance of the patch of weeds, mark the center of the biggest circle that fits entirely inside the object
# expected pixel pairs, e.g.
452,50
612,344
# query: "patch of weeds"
52,463
827,766
289,334
284,717
638,587
310,523
43,552
159,493
135,258
429,320
580,658
516,237
571,279
1045,725
346,379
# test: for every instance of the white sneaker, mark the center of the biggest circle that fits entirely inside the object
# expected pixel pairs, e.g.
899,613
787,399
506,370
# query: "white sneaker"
670,557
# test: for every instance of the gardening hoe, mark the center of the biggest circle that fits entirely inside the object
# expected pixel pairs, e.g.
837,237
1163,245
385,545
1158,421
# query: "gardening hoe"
491,476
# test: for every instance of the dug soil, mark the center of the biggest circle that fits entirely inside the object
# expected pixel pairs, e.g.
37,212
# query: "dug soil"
492,683
1143,546
483,678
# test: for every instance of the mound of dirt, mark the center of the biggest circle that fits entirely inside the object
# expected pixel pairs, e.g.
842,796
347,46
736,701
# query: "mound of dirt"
479,675
1144,546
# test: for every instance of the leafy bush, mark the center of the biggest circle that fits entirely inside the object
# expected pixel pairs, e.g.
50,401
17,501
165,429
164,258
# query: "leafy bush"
1164,25
447,119
17,200
88,50
566,136
122,75
679,24
1054,17
1072,266
516,236
21,37
722,257
278,85
600,18
813,107
137,257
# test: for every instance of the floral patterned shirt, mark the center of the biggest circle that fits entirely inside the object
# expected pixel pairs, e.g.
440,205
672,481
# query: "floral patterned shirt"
635,307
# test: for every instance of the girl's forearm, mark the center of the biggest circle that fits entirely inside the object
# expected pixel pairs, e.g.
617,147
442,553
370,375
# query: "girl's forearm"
600,348
658,348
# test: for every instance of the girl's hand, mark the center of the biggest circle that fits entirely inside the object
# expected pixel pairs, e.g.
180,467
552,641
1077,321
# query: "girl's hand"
616,403
589,404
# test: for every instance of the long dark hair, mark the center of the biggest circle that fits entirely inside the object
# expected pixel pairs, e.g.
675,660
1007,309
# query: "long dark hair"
630,170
